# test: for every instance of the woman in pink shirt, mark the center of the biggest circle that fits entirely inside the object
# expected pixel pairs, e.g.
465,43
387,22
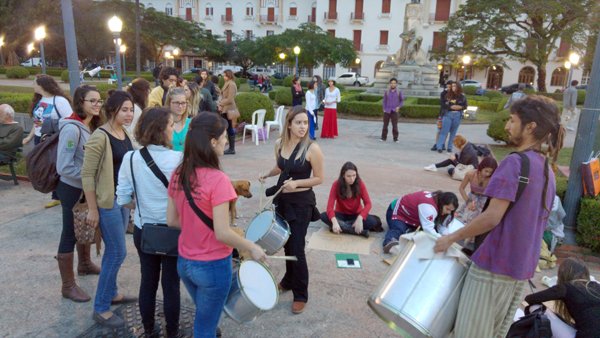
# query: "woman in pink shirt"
352,204
204,263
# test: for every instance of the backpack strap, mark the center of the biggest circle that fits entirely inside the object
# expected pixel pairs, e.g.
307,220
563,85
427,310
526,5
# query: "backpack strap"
207,220
152,165
137,202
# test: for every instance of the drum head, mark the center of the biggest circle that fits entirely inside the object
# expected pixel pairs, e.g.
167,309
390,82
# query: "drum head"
258,285
259,225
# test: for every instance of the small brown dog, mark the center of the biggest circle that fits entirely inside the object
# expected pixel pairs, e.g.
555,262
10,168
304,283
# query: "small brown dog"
242,188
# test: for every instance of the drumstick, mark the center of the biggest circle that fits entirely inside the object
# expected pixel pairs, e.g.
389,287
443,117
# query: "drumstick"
287,258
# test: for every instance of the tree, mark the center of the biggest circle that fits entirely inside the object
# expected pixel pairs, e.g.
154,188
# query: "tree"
526,30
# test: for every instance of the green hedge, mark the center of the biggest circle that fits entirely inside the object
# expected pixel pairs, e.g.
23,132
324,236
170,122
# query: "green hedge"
283,97
247,103
430,101
496,128
588,223
272,94
64,76
287,81
558,97
17,73
469,90
477,98
361,108
420,111
21,103
561,186
493,94
368,98
276,82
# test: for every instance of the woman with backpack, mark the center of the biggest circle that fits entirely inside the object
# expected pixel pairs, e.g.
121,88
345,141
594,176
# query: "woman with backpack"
49,105
74,133
103,156
154,133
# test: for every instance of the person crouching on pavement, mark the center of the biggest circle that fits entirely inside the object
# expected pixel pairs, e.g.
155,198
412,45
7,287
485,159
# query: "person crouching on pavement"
432,211
509,254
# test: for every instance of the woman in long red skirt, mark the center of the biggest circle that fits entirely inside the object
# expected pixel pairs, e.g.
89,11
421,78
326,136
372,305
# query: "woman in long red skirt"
332,97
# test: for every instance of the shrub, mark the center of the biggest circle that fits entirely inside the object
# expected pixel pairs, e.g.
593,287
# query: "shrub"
283,96
276,82
496,127
361,108
287,81
486,105
581,96
561,186
469,90
493,95
420,111
221,82
2,70
529,91
368,98
103,88
21,103
17,73
358,90
272,94
247,103
64,76
430,101
54,71
588,221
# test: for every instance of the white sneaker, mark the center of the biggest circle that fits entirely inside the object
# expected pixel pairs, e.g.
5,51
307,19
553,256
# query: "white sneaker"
430,167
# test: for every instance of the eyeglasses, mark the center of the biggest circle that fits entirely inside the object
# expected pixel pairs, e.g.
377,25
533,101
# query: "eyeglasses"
95,102
181,104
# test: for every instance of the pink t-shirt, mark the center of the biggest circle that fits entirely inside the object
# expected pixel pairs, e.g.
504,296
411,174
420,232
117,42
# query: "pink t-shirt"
197,241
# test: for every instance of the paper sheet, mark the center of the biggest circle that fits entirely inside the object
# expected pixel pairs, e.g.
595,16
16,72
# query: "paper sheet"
328,241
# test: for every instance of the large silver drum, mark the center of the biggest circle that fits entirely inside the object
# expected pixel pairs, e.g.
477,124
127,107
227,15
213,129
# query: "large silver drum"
269,230
419,297
253,291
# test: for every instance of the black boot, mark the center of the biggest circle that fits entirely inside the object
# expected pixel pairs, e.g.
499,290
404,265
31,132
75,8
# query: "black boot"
231,150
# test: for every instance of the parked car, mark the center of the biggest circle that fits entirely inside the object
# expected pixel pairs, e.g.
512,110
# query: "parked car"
279,75
110,67
220,69
352,79
246,75
513,88
192,70
262,71
470,83
33,62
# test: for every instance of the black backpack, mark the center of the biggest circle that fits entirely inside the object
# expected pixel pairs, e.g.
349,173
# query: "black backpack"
482,151
532,325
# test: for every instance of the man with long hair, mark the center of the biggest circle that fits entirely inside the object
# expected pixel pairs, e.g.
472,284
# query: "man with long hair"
509,254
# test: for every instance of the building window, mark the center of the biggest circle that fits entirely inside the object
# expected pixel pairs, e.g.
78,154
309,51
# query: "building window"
442,10
386,6
249,9
228,35
526,75
270,33
331,32
383,37
559,77
209,10
293,10
313,14
357,34
585,77
169,9
228,12
249,34
439,42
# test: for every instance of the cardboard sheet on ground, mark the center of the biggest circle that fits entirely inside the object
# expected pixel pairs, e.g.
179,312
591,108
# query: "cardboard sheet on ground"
328,241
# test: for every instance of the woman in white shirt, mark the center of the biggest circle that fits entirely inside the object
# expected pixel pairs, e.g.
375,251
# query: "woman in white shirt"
311,108
332,97
154,133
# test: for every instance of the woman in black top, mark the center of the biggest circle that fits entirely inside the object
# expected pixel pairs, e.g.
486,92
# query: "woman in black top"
297,92
453,105
577,298
296,204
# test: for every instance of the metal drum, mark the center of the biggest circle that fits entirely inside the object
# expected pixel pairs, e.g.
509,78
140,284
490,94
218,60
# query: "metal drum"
419,297
269,230
253,291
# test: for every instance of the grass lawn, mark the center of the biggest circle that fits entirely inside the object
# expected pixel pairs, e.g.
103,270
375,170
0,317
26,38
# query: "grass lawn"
19,167
16,89
500,152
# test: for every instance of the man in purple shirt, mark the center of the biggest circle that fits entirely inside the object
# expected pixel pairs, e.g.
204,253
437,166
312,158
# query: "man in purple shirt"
509,254
392,101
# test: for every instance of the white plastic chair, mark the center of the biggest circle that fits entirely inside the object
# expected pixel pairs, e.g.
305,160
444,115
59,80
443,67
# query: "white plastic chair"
258,122
277,121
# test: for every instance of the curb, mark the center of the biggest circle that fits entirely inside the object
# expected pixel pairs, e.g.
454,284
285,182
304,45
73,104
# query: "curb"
565,251
19,177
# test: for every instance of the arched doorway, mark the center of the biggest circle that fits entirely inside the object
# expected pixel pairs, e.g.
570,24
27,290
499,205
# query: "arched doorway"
494,79
559,77
527,75
378,66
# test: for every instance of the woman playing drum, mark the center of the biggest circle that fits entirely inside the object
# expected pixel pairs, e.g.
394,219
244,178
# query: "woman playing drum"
297,201
204,262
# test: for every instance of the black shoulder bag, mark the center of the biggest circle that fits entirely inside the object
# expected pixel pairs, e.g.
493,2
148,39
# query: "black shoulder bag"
157,239
533,324
286,172
523,181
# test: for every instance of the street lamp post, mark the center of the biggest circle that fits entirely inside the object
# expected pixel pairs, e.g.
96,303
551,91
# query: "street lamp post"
568,67
167,57
176,52
123,49
115,25
281,57
40,35
466,60
296,52
574,60
30,49
1,56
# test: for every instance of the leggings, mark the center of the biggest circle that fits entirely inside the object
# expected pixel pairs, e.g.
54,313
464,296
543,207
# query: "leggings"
69,196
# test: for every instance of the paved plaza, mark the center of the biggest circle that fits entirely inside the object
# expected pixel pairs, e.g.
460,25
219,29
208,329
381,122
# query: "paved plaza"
33,307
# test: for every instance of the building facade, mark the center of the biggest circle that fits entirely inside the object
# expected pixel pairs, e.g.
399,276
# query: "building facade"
374,26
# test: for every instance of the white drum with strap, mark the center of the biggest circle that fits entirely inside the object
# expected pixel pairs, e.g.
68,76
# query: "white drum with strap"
253,291
269,230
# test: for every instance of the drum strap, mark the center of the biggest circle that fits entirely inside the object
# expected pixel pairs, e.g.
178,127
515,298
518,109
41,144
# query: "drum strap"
207,220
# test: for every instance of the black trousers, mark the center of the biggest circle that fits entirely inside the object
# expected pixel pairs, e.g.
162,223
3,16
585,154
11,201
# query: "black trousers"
296,273
348,219
68,196
150,266
386,121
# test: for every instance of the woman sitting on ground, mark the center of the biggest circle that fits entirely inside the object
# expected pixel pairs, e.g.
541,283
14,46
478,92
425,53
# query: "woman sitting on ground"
350,215
432,211
576,297
478,181
467,155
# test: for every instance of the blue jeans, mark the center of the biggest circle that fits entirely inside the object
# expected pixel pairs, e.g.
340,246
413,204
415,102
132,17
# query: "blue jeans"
450,124
311,125
208,283
396,228
113,223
